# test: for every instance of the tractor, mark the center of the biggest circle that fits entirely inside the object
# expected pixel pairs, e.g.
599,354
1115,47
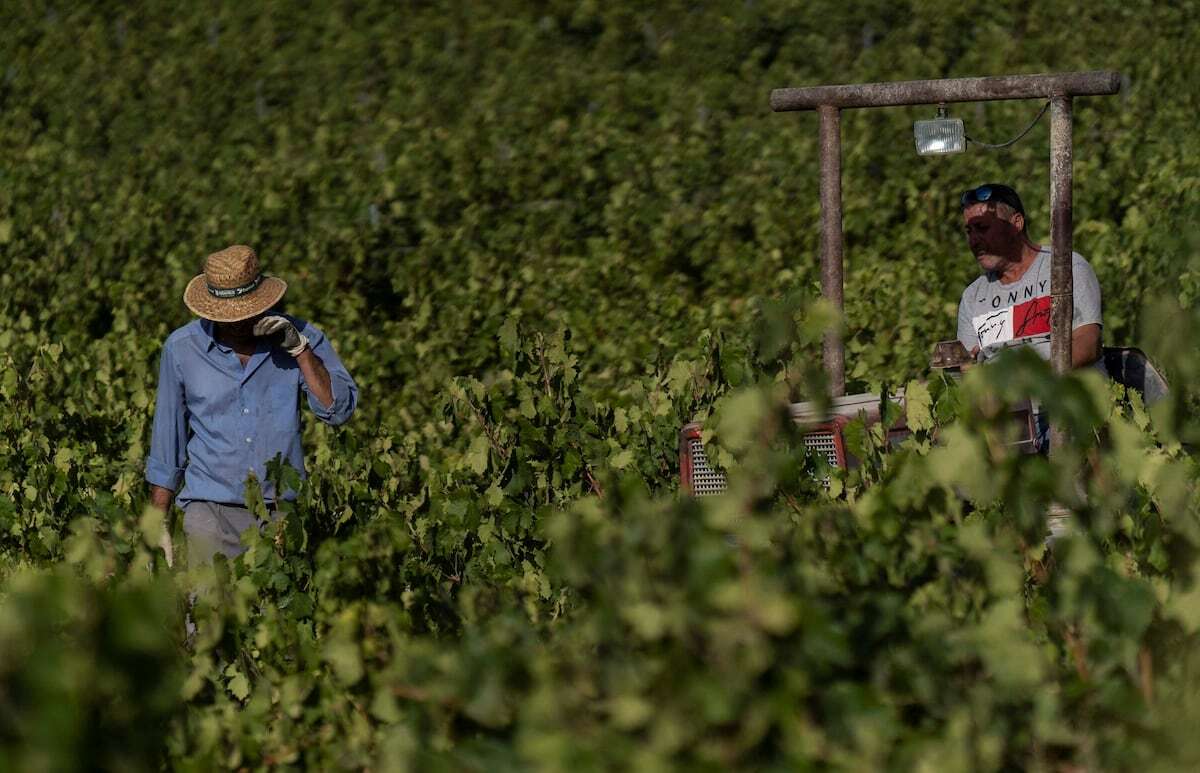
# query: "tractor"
823,428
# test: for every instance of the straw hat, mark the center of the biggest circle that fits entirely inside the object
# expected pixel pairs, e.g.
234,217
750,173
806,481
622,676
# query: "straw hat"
232,287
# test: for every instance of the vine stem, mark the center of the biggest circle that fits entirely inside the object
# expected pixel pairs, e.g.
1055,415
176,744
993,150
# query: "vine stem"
487,430
1078,653
541,350
591,479
1146,674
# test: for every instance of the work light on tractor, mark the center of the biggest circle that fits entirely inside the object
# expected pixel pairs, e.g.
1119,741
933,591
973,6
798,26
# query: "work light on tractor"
940,136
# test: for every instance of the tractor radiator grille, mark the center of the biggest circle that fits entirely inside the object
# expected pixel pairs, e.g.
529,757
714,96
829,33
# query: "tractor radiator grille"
822,443
705,480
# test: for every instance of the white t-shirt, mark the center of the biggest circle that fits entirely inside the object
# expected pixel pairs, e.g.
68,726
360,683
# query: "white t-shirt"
995,316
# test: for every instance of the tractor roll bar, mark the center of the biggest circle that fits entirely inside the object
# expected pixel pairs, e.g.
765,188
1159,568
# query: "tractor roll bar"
900,93
1059,88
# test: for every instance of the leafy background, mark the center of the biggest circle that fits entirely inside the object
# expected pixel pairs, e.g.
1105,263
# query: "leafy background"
543,236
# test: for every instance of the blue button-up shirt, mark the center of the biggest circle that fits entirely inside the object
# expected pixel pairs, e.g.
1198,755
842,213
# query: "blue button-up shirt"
215,422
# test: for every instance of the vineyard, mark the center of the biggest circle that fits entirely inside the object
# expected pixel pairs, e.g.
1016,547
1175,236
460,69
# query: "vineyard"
543,236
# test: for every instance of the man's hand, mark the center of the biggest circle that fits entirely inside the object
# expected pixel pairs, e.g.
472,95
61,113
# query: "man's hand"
293,341
311,368
161,498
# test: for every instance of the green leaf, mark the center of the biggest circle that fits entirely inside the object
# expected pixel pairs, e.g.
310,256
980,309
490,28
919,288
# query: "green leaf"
629,712
343,655
1127,604
679,377
238,685
621,459
151,524
740,418
384,707
1184,606
508,336
477,455
918,406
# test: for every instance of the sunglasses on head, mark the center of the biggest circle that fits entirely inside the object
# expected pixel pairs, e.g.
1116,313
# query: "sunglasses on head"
976,196
985,193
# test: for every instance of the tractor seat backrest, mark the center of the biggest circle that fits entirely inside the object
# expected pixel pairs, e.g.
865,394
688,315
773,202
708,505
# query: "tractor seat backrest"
1130,367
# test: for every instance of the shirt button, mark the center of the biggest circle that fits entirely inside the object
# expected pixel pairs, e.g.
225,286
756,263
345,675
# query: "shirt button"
245,410
248,440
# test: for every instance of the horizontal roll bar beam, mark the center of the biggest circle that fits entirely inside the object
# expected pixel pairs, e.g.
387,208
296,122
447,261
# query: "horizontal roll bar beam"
898,93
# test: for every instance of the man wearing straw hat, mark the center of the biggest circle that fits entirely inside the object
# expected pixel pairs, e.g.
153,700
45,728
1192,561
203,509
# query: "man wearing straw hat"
229,390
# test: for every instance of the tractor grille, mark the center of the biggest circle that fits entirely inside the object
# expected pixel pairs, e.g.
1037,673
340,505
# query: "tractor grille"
705,479
822,443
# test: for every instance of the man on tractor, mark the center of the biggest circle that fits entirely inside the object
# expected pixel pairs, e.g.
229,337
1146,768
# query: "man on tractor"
1009,304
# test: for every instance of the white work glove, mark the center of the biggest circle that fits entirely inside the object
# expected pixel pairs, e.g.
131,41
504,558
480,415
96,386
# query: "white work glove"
293,341
168,546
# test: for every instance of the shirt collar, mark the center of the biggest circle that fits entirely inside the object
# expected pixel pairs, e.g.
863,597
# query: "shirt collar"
207,326
262,349
210,336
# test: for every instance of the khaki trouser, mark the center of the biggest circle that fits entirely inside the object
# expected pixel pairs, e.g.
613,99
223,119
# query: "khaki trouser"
213,528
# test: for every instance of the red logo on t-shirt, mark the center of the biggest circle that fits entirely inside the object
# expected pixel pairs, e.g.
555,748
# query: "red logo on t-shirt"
1032,317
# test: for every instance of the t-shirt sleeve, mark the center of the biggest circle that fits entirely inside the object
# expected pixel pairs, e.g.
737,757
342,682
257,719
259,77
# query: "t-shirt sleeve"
1087,294
966,329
